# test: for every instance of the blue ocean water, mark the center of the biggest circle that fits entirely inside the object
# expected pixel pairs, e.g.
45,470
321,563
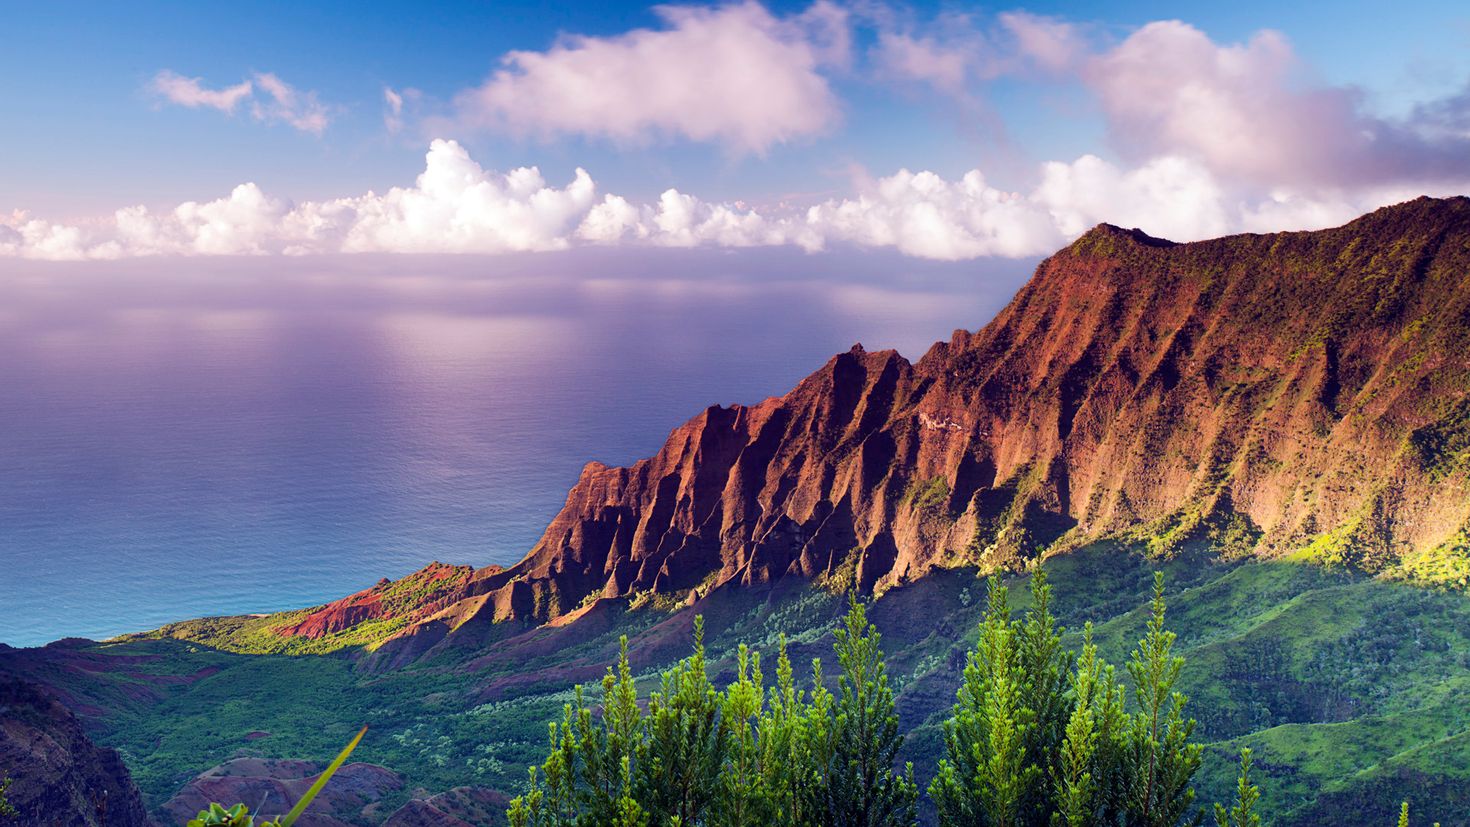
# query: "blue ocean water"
182,438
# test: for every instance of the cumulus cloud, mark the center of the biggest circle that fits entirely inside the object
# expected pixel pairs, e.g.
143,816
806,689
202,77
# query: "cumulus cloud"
736,74
271,99
457,206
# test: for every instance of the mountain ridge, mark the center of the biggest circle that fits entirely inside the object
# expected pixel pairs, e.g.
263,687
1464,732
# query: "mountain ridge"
1290,394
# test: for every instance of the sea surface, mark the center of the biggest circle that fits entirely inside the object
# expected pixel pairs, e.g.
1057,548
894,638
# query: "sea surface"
192,437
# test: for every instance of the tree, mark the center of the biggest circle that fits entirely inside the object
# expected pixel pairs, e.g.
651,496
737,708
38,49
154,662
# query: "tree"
588,776
1038,739
1163,761
862,789
1243,814
1089,769
744,798
679,764
985,776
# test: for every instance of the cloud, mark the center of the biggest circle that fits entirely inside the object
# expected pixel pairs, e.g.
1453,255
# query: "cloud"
924,59
956,54
735,75
457,206
1250,111
1048,42
191,92
271,99
283,102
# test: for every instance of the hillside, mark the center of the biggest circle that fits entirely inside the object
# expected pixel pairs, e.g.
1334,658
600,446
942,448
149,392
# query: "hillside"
1296,395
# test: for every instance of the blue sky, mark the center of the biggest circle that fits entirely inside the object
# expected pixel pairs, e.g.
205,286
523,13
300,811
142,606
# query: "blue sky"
87,128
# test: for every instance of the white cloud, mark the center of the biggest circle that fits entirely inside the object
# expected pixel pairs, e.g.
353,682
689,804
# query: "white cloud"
1249,111
192,93
1170,197
283,102
457,206
735,74
924,59
924,215
271,99
1053,44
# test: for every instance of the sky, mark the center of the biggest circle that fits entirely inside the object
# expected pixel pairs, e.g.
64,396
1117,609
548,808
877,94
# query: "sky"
948,131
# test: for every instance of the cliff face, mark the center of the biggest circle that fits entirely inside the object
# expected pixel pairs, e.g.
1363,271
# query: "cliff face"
58,775
1295,393
1272,393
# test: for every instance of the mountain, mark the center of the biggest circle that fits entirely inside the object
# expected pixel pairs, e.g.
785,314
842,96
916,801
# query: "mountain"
1224,411
1294,395
58,776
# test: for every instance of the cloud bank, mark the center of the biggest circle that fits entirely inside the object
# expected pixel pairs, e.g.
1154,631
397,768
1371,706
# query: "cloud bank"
457,206
1209,139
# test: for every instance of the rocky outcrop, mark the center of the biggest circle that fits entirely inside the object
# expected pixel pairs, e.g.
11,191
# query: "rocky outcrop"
355,795
459,807
58,776
272,787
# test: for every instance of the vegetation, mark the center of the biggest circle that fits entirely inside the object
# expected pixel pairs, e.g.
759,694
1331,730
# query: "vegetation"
6,810
746,756
1352,693
1037,737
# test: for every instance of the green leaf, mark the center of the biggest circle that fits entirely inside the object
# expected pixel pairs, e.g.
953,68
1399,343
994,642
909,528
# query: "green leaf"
290,818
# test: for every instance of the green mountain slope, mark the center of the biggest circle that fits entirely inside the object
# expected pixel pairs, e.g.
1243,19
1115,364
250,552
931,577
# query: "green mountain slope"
1353,692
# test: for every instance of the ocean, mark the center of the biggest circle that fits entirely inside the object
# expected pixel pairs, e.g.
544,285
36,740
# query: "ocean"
191,437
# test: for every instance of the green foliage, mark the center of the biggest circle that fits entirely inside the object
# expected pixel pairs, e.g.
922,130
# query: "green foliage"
928,496
1039,737
1243,814
1404,816
1162,759
861,788
1351,692
6,809
239,816
217,816
745,757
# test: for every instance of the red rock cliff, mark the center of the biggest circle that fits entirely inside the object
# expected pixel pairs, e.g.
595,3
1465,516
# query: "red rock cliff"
1277,390
1269,394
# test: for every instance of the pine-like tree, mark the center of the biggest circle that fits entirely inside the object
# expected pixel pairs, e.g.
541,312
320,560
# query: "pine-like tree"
744,800
862,788
1162,761
6,810
984,777
679,765
1085,745
1243,814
